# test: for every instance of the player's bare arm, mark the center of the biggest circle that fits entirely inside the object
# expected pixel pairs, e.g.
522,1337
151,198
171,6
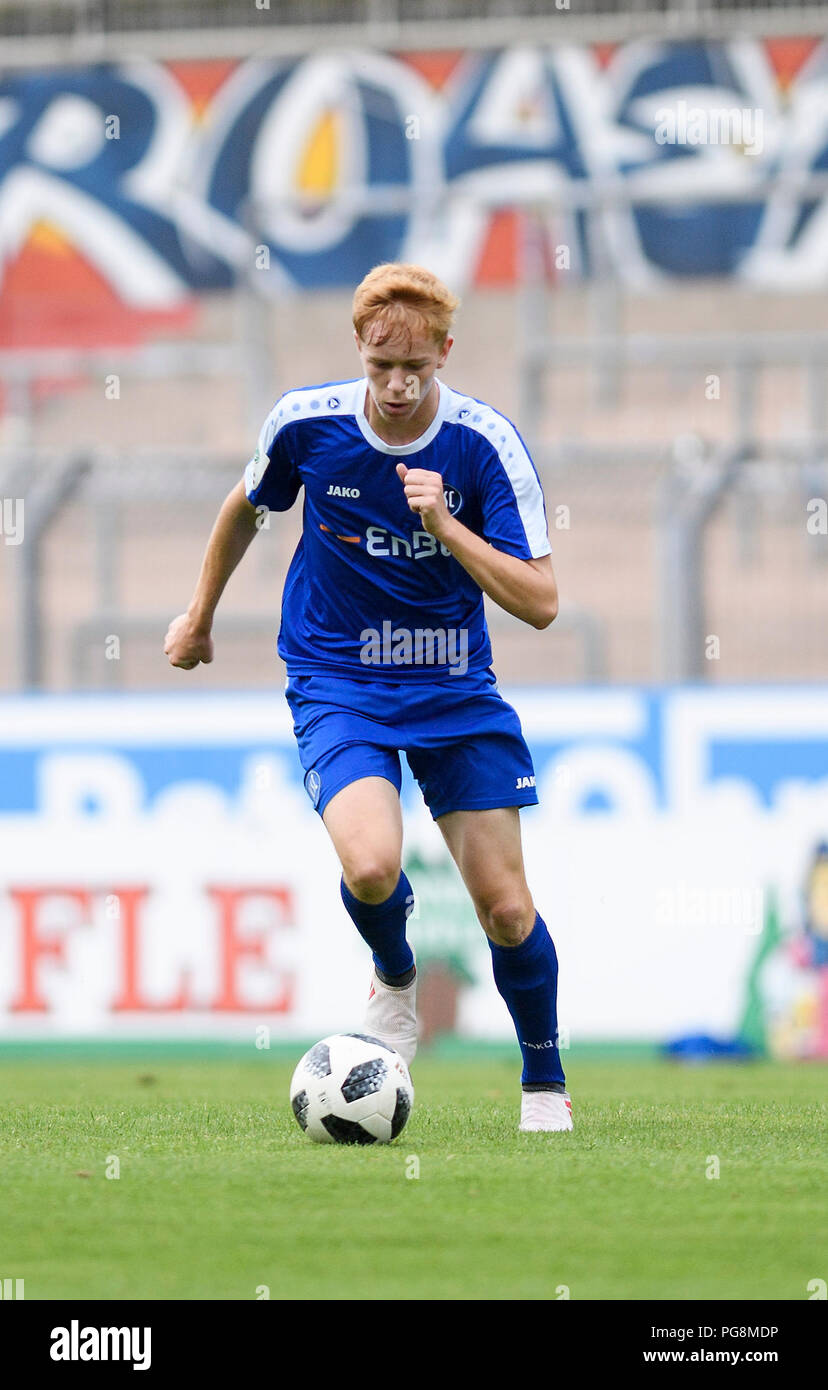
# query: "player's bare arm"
189,641
524,588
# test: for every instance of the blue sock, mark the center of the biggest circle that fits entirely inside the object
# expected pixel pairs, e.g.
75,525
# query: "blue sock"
527,979
382,926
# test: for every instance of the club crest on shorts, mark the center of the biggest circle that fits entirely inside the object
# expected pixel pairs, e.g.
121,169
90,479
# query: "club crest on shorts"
313,785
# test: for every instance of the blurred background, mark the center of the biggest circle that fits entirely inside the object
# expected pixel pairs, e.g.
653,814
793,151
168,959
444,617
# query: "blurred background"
631,202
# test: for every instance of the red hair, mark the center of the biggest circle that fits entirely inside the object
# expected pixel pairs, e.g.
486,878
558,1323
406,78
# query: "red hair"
395,297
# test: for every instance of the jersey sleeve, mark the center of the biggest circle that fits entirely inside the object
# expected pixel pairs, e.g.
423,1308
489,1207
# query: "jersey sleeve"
271,478
514,514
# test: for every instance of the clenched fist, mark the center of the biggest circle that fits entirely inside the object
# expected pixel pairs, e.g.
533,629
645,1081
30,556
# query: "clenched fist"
424,494
186,644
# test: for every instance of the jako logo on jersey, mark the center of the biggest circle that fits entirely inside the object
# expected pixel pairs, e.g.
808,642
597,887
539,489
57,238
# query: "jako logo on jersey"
335,491
524,782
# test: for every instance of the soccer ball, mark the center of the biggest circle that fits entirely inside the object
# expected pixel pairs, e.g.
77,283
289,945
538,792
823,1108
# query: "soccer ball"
351,1089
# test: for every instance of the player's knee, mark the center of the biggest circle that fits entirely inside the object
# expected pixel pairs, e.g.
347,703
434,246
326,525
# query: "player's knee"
507,921
372,879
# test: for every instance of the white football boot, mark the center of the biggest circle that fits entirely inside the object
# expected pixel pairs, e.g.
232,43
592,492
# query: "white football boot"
545,1110
391,1016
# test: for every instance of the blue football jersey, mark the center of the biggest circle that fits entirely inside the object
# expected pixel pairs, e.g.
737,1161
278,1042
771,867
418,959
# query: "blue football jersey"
366,577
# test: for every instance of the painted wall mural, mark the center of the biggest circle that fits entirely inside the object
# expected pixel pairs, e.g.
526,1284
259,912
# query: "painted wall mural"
127,190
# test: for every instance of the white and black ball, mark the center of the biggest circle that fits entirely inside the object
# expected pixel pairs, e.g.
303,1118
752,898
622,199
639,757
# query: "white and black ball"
351,1089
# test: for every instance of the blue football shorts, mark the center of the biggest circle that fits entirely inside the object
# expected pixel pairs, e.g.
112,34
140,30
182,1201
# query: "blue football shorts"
462,741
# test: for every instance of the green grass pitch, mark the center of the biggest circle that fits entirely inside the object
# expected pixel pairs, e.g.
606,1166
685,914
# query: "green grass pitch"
221,1196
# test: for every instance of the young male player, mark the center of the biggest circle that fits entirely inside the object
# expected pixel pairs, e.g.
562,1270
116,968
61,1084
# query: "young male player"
418,500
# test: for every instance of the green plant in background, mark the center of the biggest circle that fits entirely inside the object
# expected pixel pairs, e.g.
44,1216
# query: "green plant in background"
753,1025
447,938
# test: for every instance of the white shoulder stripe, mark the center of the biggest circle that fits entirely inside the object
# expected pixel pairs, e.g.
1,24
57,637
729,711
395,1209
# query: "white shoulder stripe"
333,398
517,464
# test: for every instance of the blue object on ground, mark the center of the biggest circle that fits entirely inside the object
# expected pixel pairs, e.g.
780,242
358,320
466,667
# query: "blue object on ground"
700,1047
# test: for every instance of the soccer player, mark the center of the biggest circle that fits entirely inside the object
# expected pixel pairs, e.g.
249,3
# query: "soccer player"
418,500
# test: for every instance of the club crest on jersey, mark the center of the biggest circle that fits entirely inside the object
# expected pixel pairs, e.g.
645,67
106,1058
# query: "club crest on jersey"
336,491
453,498
313,786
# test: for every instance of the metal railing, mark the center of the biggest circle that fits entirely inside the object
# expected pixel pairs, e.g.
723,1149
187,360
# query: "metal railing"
32,17
76,30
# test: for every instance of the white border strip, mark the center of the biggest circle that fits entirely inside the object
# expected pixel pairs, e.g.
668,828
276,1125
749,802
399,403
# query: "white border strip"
208,719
